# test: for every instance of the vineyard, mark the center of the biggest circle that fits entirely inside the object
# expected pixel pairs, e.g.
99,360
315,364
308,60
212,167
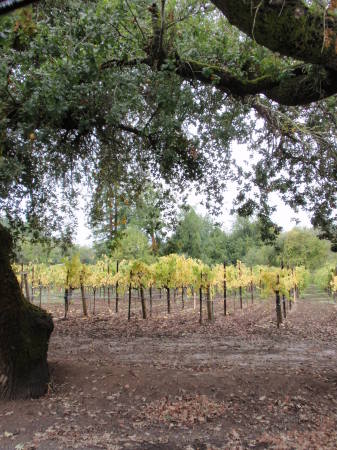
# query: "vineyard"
170,382
128,284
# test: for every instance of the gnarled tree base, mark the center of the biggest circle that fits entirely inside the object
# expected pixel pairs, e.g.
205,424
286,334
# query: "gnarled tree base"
24,335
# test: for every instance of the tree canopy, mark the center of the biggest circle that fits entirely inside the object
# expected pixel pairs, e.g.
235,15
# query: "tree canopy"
163,90
198,237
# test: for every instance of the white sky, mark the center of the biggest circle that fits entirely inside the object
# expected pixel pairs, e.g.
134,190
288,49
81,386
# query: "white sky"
284,216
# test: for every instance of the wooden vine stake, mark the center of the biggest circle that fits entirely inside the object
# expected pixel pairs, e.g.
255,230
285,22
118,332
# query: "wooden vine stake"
200,300
94,309
284,304
109,302
278,302
84,300
150,290
251,286
117,297
66,297
209,304
240,286
168,300
224,290
130,296
293,293
33,281
25,278
40,293
182,298
194,298
142,299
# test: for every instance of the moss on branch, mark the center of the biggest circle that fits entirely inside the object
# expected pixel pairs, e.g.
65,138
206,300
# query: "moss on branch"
298,86
290,27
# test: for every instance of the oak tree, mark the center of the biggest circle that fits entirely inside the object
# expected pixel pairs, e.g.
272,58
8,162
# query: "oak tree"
180,84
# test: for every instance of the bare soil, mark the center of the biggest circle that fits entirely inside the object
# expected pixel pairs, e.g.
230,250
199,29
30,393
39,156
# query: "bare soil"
171,383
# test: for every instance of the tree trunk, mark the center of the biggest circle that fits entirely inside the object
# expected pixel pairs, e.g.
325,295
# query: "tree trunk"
154,245
24,335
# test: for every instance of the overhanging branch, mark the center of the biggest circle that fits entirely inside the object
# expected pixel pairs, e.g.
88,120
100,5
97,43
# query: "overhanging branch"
300,86
289,27
7,6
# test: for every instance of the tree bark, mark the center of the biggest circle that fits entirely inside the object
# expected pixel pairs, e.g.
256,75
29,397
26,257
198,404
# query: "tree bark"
9,6
290,27
24,335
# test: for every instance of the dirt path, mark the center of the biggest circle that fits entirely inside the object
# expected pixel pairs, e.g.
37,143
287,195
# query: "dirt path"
169,383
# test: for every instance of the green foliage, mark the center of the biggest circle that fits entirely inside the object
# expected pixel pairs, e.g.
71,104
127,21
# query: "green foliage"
199,238
73,268
153,214
169,272
324,276
187,238
133,245
86,94
260,256
302,247
50,252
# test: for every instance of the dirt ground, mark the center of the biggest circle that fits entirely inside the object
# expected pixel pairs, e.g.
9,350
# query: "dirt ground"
170,383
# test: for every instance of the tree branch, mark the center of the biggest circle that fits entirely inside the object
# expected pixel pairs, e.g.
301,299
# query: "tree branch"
289,27
300,86
7,6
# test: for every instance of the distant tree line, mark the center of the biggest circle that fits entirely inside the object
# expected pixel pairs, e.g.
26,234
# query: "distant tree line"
195,236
